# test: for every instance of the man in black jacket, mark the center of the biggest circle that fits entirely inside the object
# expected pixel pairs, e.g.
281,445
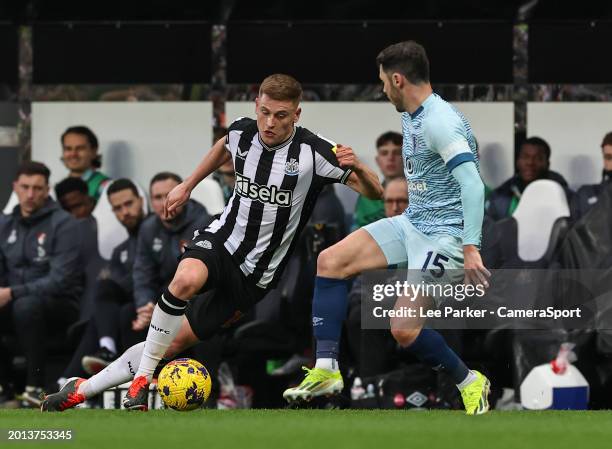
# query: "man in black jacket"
43,279
115,291
532,164
588,195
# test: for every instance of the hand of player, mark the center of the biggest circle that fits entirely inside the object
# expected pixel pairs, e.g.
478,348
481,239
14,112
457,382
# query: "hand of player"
175,199
5,296
143,317
475,271
346,157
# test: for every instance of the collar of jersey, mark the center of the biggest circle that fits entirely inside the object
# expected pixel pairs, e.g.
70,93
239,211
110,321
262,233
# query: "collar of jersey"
280,145
420,108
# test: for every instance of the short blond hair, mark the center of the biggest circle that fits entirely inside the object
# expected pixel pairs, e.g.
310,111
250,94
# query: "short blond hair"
281,87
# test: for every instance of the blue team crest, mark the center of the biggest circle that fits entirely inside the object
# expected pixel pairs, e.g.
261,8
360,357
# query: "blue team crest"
292,167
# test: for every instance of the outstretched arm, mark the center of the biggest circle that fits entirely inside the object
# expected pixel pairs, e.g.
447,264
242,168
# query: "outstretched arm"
215,158
363,179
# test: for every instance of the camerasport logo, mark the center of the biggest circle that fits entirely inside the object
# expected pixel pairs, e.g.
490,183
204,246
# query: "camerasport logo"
264,194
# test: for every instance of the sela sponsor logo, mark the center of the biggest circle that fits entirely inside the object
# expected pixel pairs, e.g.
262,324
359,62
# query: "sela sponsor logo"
159,329
123,256
264,194
292,167
417,186
41,238
204,244
195,234
12,238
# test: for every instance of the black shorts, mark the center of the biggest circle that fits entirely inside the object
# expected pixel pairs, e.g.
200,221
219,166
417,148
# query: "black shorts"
227,295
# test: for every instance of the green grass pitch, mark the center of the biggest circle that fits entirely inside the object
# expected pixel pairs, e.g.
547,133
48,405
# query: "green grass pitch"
315,429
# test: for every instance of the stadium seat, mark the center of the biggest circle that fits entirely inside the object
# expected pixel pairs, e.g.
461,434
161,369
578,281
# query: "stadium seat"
533,234
10,204
110,232
543,202
209,193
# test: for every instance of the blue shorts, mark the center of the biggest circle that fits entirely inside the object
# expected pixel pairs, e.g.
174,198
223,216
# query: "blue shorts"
429,259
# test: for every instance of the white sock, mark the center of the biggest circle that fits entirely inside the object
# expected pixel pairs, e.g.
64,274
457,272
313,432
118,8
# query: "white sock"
162,331
327,363
471,377
120,371
109,343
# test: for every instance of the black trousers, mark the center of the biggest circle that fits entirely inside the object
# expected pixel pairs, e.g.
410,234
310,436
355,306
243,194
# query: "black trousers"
35,320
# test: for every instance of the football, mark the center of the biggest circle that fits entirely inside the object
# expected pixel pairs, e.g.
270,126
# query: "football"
184,384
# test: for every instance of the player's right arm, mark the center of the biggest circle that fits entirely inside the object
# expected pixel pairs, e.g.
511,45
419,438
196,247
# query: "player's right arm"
215,158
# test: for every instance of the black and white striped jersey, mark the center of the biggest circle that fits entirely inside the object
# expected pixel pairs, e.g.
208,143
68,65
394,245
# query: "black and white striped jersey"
275,192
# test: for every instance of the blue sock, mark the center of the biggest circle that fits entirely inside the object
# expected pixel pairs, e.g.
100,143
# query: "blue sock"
431,348
329,307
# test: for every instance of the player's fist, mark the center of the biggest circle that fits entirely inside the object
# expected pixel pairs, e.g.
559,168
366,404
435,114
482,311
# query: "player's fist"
346,157
175,199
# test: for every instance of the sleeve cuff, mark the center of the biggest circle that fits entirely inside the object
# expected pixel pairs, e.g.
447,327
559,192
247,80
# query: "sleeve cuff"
18,291
458,160
346,176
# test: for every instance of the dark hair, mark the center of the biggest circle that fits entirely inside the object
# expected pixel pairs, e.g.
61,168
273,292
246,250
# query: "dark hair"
408,58
607,140
162,176
390,136
121,184
91,138
538,142
281,87
33,168
70,184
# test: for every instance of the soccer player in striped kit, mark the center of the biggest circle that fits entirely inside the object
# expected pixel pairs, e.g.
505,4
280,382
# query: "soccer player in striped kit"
280,169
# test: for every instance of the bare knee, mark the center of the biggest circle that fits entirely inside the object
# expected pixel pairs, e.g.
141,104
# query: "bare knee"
188,281
405,337
330,264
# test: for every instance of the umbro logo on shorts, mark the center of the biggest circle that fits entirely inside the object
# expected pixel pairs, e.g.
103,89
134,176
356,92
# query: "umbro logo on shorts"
204,244
317,321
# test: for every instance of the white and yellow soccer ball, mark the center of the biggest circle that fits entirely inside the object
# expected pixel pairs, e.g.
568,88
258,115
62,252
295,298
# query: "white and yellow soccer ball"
184,384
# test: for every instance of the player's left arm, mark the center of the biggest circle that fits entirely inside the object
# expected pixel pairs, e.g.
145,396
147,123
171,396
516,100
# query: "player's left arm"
362,180
447,137
472,199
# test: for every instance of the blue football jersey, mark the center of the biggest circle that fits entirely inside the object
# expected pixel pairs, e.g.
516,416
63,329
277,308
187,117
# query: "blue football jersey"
437,138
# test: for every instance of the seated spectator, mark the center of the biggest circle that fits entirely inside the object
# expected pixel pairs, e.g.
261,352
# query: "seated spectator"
389,161
117,290
80,156
72,194
533,163
41,271
589,194
160,243
373,349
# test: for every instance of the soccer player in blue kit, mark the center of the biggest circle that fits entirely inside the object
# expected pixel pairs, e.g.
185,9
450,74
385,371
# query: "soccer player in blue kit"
442,226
